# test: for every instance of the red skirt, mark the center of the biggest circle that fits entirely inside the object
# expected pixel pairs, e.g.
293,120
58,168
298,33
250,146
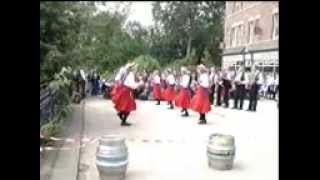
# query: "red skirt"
169,93
183,99
125,100
157,92
115,91
200,101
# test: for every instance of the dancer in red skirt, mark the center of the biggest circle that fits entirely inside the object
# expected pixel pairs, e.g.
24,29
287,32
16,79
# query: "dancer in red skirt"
118,84
184,97
164,84
200,101
156,88
169,93
125,101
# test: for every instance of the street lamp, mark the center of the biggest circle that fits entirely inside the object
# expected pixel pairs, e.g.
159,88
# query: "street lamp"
244,52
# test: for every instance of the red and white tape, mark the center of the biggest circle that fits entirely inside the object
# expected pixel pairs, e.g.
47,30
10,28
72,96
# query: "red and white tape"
89,141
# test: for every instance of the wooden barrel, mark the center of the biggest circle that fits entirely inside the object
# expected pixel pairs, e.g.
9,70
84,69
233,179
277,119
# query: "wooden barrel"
112,157
221,151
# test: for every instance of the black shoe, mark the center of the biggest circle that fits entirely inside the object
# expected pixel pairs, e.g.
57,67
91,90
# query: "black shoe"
203,122
185,115
125,124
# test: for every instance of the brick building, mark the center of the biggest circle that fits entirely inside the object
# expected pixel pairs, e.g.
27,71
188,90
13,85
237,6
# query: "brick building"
251,34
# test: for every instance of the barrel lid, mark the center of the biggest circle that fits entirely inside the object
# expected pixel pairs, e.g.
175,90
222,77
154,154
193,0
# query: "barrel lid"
111,138
221,139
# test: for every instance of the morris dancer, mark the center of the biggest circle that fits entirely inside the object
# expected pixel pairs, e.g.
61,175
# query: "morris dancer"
118,84
156,87
184,97
164,85
169,93
200,102
125,102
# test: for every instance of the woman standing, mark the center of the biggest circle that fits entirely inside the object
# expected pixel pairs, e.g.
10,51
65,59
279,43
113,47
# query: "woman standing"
184,97
200,102
125,101
156,87
169,93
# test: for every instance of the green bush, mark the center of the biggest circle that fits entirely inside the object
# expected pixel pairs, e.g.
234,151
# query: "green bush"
107,75
61,85
52,128
146,63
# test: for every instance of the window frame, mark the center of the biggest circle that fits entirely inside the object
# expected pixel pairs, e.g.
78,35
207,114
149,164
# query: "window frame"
274,35
251,25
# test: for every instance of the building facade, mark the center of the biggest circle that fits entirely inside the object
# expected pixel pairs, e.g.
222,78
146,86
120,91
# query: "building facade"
251,35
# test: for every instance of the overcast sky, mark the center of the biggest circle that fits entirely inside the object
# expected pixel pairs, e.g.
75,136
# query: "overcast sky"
140,11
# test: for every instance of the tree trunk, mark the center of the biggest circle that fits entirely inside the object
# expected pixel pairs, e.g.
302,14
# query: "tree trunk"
189,47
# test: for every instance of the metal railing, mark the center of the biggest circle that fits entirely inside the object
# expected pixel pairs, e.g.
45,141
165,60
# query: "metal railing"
47,105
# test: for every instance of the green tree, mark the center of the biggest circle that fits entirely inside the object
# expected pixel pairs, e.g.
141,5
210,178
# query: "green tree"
189,25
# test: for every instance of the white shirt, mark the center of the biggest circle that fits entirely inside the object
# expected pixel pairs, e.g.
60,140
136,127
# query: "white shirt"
216,78
212,78
230,76
119,75
276,81
260,80
204,80
185,81
246,77
163,76
156,79
238,76
270,80
83,74
130,81
170,79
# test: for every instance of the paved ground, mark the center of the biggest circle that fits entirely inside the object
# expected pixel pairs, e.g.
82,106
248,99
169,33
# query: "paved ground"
61,161
163,145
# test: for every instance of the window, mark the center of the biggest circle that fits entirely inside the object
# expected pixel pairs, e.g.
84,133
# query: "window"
239,35
275,26
250,31
236,35
257,29
236,6
233,37
242,34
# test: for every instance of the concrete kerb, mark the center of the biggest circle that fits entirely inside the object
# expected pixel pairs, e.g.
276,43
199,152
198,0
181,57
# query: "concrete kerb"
50,167
48,159
81,136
